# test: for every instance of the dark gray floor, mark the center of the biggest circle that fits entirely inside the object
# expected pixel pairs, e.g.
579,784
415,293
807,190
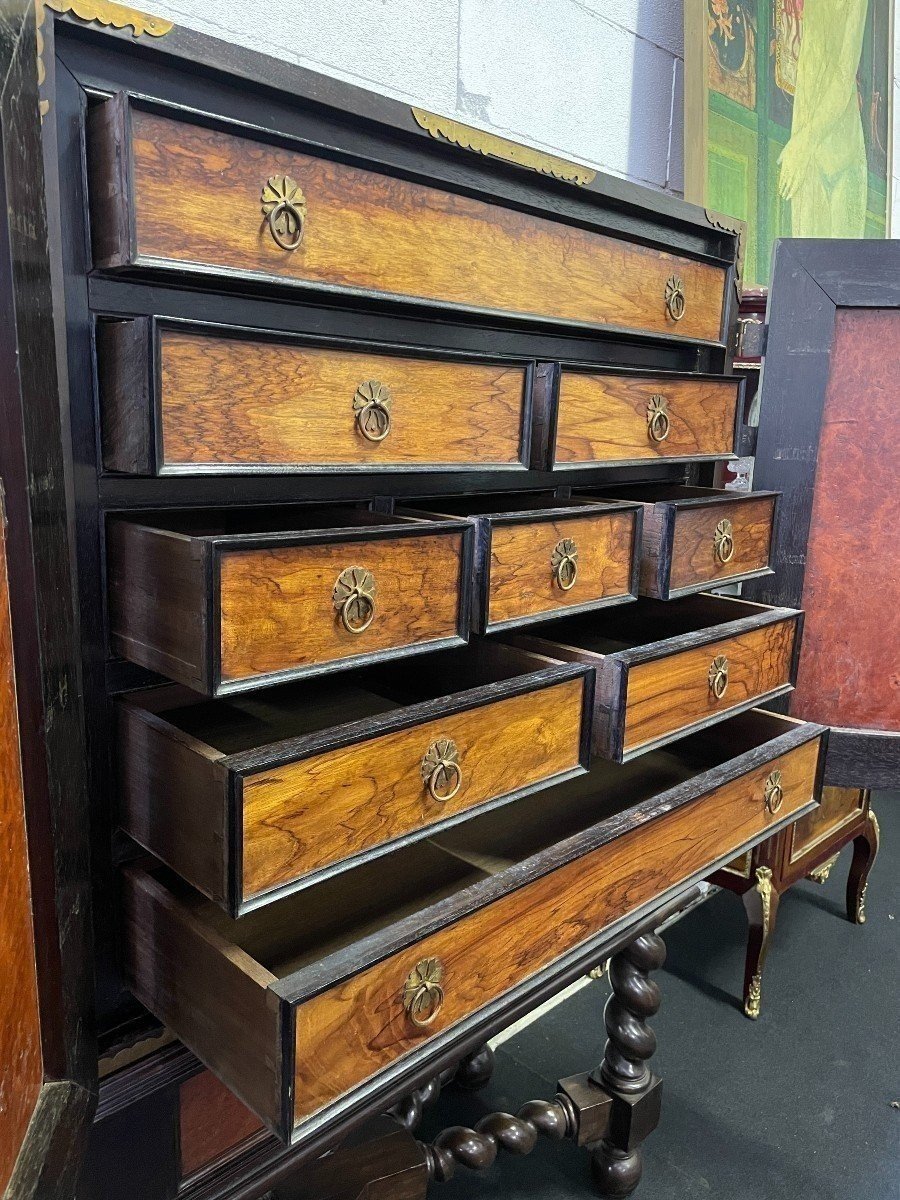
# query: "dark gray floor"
796,1106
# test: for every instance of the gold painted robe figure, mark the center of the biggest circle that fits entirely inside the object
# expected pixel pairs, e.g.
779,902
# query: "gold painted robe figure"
823,166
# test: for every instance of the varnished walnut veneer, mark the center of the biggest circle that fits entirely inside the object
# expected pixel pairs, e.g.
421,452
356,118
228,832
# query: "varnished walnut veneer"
190,399
165,191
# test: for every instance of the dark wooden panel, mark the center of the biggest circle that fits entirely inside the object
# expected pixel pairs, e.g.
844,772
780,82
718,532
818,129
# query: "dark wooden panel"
211,1121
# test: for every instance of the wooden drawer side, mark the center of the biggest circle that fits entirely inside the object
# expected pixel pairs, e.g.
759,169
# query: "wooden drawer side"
348,1033
307,815
839,807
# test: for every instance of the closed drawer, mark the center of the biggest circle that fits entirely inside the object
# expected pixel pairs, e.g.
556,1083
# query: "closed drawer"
667,669
585,415
695,538
300,1005
186,398
229,600
167,193
535,557
259,795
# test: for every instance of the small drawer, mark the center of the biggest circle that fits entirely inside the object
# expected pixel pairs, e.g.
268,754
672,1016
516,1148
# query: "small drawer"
170,194
354,983
668,669
840,807
587,415
255,796
695,538
537,556
230,600
180,397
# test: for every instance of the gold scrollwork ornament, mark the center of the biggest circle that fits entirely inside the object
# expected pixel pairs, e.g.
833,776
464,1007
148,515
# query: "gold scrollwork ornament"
423,992
564,564
718,676
284,206
372,403
353,596
441,770
723,541
658,426
675,301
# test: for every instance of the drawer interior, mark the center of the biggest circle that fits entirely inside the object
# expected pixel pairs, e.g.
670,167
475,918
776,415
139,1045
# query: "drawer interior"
303,928
655,493
495,505
283,519
646,622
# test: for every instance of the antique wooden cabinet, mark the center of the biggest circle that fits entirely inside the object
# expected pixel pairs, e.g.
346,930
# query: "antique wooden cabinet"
364,489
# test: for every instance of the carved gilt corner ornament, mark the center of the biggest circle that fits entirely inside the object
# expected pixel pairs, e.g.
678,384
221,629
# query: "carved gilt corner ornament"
820,874
497,147
754,994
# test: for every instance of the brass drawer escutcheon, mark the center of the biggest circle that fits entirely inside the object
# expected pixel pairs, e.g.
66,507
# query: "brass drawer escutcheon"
658,419
774,793
285,208
718,676
441,770
372,403
564,564
423,994
675,301
354,598
723,541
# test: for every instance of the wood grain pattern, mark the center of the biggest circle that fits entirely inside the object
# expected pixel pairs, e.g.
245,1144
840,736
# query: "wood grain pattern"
348,1033
277,610
694,559
848,672
521,577
603,418
673,693
839,807
197,195
306,815
231,401
211,1121
21,1056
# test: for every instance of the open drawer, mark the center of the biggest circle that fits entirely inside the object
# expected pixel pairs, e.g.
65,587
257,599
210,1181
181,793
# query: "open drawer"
301,1004
256,795
227,600
665,669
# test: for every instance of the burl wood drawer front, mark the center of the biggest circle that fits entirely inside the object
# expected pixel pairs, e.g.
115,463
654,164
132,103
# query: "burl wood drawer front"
591,416
695,538
715,656
181,398
165,192
249,798
219,610
537,557
298,1005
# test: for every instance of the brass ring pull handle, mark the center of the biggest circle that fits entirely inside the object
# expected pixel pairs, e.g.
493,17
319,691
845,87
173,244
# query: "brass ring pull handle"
423,995
675,301
564,564
372,403
723,541
774,793
354,598
658,419
284,206
718,676
441,770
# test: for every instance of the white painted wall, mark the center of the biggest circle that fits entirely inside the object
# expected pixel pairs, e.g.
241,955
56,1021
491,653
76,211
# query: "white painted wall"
598,81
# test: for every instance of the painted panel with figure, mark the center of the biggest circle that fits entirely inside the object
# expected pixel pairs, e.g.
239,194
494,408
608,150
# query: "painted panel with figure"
787,118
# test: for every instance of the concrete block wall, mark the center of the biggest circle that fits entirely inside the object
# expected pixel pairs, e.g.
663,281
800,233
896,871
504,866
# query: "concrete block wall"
597,81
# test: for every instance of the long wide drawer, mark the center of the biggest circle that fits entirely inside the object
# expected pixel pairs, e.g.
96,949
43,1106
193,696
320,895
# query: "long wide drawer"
587,415
665,669
166,192
180,397
300,1004
228,600
256,796
695,538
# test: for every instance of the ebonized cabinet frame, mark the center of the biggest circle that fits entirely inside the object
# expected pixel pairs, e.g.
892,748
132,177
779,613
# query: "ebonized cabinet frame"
811,279
142,341
547,379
